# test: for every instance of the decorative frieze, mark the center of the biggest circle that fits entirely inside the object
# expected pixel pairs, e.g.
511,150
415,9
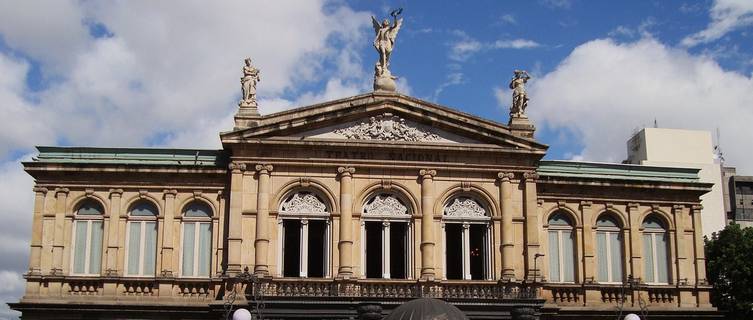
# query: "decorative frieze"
387,127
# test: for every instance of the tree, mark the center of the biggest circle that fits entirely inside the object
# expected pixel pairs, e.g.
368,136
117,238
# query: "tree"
729,266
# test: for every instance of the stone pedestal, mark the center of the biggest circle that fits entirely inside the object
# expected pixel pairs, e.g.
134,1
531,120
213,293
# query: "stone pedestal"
521,126
247,116
385,83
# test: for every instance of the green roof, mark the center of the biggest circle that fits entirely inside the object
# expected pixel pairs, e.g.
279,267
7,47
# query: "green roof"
596,170
132,156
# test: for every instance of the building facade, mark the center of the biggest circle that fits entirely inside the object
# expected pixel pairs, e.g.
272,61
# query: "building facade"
373,199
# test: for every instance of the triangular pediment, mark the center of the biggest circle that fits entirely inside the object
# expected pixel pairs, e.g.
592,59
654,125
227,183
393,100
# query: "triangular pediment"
381,117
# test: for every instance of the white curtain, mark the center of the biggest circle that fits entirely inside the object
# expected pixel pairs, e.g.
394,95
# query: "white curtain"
601,256
554,257
150,248
568,255
79,252
648,258
134,247
95,256
189,239
662,258
615,250
205,244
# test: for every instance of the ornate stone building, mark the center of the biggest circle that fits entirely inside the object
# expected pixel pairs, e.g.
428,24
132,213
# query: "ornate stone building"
377,198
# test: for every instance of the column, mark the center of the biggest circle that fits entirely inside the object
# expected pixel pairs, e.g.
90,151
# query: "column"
636,241
345,244
303,265
113,230
466,235
35,259
700,255
261,245
588,241
58,242
386,249
508,244
427,224
532,222
167,233
235,231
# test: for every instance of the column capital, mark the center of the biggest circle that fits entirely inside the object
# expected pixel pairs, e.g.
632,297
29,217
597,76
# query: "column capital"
697,207
678,207
41,190
116,192
505,176
427,173
264,168
62,190
530,176
346,171
169,193
236,167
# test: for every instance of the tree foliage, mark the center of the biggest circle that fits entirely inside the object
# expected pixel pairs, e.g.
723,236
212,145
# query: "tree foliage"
729,267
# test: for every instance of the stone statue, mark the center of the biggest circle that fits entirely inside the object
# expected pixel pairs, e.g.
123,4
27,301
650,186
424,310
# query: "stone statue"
384,42
248,84
519,95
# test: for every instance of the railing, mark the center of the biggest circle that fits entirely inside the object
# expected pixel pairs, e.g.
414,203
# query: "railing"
401,289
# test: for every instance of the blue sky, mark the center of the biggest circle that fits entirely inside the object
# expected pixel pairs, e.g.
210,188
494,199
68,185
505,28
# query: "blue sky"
165,74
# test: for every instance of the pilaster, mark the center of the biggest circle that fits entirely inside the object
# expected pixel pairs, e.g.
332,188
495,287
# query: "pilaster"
586,215
636,243
508,244
35,259
58,242
261,244
235,232
532,222
168,247
113,228
427,223
345,244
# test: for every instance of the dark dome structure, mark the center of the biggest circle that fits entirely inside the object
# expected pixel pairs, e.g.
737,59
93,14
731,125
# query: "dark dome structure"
426,309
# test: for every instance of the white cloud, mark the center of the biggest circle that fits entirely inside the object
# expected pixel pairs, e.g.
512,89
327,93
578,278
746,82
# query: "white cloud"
515,44
726,16
508,19
604,90
454,78
466,46
557,4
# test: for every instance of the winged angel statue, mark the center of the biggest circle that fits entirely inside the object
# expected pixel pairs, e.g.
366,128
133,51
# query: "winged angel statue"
384,41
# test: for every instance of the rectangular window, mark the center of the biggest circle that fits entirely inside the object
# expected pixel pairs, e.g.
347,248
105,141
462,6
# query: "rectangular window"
373,249
454,250
398,250
554,257
87,251
615,252
317,255
291,246
648,258
197,247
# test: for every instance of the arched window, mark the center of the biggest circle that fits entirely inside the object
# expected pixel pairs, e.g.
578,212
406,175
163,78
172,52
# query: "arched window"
655,250
141,239
304,218
87,238
609,252
561,248
386,237
466,235
197,240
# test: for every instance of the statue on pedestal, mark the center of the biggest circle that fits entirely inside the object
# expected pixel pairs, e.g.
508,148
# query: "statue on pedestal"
248,84
519,95
384,42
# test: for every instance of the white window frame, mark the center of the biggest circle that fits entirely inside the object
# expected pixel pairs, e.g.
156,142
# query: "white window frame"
560,246
466,222
385,238
87,249
196,221
607,231
303,244
654,233
141,222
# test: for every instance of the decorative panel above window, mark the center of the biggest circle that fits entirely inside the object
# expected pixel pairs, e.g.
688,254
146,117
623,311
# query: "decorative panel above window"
385,205
303,203
465,207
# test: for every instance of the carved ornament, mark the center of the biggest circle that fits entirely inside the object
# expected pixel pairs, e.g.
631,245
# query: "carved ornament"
386,205
303,203
465,207
387,127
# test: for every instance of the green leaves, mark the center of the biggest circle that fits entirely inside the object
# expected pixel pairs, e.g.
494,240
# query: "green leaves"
729,267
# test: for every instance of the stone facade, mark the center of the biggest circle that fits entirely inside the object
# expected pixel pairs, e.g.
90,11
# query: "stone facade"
331,172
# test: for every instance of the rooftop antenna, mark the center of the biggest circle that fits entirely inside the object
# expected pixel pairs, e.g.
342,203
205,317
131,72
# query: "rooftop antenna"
655,124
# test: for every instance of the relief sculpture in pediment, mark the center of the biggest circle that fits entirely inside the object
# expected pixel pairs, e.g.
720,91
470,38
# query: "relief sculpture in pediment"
387,127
